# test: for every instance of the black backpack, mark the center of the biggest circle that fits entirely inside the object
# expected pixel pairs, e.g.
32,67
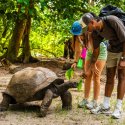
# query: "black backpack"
113,10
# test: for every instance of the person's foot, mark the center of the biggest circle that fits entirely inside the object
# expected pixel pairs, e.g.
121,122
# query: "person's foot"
83,103
101,110
92,104
116,114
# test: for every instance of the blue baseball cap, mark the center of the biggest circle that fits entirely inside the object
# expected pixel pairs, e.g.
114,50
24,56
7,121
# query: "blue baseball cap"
76,28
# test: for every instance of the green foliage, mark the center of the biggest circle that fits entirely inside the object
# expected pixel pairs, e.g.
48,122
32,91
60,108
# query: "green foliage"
31,11
23,9
80,63
20,1
69,73
51,21
79,87
24,2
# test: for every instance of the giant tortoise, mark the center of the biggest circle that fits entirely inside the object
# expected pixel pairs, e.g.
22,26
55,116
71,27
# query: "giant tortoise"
31,84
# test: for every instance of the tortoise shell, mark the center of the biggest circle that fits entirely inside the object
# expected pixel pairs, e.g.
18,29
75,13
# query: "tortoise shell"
25,83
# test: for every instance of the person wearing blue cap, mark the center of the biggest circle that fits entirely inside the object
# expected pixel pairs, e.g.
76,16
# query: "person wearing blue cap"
76,28
112,29
94,61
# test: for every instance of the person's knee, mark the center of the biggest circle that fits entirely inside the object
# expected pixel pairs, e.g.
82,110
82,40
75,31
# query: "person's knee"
121,77
110,80
96,77
89,75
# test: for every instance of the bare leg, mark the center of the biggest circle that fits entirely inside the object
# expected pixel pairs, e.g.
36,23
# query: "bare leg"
5,102
100,65
66,100
121,84
110,81
46,103
87,81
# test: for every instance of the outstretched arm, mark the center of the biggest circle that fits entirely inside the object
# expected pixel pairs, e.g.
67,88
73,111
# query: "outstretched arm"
77,52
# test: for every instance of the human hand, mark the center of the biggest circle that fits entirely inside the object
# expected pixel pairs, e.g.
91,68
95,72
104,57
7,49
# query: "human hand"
83,75
73,65
121,64
94,69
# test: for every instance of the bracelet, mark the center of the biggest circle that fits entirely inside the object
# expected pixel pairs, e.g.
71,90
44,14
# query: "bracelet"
75,62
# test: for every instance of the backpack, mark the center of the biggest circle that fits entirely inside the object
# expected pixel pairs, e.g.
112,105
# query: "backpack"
113,10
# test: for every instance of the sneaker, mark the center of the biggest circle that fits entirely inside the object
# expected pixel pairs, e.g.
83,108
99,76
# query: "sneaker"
116,114
92,104
100,110
83,103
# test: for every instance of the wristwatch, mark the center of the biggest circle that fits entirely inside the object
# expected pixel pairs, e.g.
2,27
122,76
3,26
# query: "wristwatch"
122,58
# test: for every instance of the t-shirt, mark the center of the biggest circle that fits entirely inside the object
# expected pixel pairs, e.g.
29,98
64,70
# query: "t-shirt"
115,33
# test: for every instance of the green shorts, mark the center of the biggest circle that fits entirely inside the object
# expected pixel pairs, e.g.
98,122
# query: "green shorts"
102,53
113,59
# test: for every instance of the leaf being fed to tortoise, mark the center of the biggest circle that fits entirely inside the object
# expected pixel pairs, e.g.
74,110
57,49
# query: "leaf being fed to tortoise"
69,74
79,86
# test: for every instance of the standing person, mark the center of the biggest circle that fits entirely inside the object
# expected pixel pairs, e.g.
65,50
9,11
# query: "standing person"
77,44
112,29
94,63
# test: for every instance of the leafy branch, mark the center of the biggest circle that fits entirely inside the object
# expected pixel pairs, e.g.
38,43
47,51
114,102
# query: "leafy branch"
69,74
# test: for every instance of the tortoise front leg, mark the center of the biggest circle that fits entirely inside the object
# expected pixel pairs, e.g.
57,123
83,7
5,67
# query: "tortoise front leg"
46,103
4,105
66,98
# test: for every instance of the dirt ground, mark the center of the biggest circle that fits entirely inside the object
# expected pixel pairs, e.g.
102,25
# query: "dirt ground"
26,114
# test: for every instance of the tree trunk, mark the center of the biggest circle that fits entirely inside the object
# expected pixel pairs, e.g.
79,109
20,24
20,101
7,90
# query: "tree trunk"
21,32
26,45
14,43
26,54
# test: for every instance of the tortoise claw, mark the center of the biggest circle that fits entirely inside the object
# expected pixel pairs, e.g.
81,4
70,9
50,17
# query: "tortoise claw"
3,108
42,113
67,107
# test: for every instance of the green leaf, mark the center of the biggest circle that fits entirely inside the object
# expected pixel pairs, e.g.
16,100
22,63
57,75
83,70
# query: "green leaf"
26,2
79,86
23,9
31,12
41,1
69,74
20,1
